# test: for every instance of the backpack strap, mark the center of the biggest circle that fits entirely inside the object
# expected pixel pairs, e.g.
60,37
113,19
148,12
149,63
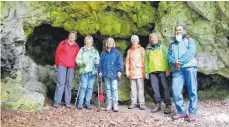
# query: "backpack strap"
187,41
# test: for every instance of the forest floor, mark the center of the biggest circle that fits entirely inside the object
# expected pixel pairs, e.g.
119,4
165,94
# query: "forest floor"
211,113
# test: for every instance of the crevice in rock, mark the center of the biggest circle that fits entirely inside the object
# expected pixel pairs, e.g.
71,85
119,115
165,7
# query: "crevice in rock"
212,81
155,3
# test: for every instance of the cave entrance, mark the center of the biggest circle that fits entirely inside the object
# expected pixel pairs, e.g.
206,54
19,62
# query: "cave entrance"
41,47
42,43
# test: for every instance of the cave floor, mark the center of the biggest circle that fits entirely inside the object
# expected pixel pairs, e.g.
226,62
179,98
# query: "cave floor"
211,113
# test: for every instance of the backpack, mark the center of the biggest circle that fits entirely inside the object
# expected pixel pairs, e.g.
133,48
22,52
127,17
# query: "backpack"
187,44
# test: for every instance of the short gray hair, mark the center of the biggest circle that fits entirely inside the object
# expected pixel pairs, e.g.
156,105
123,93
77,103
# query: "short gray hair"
183,26
134,37
110,39
155,34
88,38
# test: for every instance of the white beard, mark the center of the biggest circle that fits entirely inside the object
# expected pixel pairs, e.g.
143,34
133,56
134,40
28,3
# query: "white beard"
179,38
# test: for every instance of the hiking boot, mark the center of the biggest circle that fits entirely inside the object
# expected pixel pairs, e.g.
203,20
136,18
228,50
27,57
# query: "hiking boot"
89,106
68,106
179,116
108,108
142,107
56,105
191,117
167,109
156,108
80,107
115,107
132,106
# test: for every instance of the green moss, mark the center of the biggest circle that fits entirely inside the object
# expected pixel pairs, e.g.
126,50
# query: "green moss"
97,5
70,25
87,26
75,82
58,17
133,16
213,93
124,90
109,23
107,18
122,45
13,96
146,15
127,6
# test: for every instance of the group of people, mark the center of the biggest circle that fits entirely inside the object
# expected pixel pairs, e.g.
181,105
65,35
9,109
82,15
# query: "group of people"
154,63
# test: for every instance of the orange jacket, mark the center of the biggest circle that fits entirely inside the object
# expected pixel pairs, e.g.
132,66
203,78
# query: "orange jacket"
135,62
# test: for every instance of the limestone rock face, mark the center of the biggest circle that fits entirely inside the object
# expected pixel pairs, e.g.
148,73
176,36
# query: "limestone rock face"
207,23
27,90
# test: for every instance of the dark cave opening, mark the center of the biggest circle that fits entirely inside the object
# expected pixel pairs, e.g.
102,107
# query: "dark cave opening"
42,43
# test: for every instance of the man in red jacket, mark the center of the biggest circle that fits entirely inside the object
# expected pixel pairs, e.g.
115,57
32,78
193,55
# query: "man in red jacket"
66,53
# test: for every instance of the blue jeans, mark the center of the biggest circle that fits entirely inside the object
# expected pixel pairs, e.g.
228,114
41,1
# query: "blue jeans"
188,76
111,90
65,76
87,81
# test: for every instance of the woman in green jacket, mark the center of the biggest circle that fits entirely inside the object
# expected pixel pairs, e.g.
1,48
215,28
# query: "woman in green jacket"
87,60
157,68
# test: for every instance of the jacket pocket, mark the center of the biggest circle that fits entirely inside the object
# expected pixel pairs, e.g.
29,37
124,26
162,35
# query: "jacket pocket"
114,70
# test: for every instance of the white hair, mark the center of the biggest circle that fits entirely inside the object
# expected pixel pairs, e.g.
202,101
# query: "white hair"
134,37
88,38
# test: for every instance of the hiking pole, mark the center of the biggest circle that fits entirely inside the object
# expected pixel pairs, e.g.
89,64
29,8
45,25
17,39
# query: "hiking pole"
98,89
77,94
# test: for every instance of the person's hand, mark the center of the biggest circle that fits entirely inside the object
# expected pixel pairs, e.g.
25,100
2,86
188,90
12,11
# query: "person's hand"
97,62
100,74
167,73
127,75
85,62
119,75
56,68
147,76
177,64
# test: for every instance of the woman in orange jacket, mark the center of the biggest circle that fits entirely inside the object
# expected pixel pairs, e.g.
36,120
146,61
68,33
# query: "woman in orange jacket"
135,72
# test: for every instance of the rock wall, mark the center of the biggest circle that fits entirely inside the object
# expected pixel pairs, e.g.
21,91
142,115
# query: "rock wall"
207,23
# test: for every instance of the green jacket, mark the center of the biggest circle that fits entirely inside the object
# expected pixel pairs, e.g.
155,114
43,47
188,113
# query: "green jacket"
90,56
156,58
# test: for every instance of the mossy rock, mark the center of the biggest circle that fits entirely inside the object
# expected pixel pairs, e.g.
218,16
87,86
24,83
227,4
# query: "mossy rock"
13,96
122,45
30,101
124,90
213,93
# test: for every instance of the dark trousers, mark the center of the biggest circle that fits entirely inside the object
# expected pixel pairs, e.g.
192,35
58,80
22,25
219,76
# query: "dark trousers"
156,78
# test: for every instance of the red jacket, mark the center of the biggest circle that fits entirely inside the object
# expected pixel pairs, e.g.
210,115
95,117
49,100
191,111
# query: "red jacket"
66,54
